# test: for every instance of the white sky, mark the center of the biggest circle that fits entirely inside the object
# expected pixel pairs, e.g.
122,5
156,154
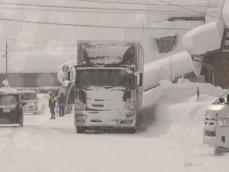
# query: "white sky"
48,39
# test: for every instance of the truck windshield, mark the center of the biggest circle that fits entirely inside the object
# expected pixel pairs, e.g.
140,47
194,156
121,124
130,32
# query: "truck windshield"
8,100
111,77
29,96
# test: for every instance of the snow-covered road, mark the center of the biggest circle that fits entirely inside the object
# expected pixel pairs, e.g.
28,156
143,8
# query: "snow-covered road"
169,140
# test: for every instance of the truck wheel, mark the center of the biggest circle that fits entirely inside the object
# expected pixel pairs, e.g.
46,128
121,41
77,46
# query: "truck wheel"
80,130
21,124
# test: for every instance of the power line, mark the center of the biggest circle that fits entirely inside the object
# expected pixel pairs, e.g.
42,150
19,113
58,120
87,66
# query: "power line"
89,25
85,8
139,3
87,11
63,10
189,9
183,6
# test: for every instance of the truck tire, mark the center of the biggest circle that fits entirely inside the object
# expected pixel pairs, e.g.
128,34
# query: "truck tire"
80,130
21,124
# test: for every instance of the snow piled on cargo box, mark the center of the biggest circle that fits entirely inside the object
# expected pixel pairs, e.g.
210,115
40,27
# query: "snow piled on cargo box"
106,53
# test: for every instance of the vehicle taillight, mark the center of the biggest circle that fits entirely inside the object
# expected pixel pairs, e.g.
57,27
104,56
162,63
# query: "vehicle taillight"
83,96
126,95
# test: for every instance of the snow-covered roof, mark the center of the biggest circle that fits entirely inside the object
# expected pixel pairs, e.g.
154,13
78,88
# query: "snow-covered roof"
8,90
161,33
203,39
208,37
169,68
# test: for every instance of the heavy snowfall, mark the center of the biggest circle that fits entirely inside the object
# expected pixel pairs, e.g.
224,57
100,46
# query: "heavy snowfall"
170,135
169,139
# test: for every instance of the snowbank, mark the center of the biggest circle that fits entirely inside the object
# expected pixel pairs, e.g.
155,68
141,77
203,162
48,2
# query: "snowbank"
204,38
169,68
175,113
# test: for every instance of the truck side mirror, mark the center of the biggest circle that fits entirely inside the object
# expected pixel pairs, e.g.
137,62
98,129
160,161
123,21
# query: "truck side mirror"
68,73
227,99
139,79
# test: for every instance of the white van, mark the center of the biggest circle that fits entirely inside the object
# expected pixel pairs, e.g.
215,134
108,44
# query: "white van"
30,98
216,124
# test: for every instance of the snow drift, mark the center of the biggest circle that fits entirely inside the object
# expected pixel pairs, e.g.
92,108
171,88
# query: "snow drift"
172,112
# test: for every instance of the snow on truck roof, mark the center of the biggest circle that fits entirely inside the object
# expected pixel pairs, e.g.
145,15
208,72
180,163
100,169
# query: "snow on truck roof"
92,53
105,42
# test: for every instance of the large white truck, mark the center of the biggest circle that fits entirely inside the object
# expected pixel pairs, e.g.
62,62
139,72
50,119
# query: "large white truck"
216,124
109,85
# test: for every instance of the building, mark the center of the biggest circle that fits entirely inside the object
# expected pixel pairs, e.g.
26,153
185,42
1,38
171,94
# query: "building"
162,32
209,45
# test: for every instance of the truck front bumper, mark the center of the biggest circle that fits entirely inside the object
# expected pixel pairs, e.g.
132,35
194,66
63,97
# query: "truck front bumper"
105,119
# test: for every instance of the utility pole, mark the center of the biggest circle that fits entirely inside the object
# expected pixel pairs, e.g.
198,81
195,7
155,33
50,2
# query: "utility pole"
6,62
6,82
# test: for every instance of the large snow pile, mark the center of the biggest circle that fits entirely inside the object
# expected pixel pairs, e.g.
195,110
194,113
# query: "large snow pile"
208,37
173,112
169,68
204,38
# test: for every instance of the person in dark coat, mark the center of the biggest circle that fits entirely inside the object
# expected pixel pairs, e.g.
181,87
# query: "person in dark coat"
52,104
61,103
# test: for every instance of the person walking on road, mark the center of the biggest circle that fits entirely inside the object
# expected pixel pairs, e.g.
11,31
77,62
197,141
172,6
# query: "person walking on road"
52,104
197,93
61,103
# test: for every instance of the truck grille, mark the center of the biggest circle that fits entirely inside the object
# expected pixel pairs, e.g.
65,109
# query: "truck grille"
210,133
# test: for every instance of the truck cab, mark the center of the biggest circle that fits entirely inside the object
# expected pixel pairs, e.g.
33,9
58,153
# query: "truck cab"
216,124
11,107
108,80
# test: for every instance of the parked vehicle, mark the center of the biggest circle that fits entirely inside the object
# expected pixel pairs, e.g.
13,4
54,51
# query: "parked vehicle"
30,98
108,80
11,107
216,124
